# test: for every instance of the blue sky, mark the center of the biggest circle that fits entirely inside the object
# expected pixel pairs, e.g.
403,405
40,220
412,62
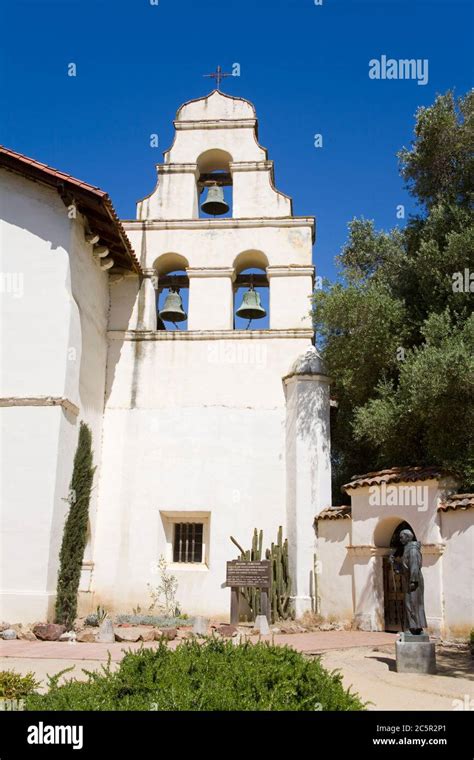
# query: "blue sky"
305,67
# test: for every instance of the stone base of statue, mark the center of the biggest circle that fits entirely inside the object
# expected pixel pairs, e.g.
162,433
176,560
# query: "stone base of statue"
415,654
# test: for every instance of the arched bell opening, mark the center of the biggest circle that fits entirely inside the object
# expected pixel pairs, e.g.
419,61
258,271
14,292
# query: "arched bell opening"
172,299
214,184
172,292
251,275
251,300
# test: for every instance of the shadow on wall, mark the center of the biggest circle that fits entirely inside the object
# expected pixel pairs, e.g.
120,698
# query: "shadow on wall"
23,203
371,593
127,292
133,288
311,415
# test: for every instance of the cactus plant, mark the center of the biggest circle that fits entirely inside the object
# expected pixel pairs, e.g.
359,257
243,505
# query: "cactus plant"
281,581
101,614
280,592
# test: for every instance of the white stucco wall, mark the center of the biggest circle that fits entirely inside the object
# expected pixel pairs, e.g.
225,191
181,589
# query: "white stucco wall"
239,142
174,197
191,425
216,105
254,193
53,345
290,299
213,243
124,313
457,528
90,292
335,577
211,303
375,522
35,239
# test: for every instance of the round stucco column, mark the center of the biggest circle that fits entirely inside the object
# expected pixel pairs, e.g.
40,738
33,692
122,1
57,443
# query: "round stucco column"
308,468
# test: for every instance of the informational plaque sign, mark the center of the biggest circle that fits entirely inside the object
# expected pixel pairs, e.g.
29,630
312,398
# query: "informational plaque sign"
241,573
247,573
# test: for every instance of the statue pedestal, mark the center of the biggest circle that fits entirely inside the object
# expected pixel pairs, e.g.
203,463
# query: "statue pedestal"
415,654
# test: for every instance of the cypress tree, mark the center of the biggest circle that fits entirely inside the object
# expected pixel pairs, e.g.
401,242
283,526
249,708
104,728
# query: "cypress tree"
75,530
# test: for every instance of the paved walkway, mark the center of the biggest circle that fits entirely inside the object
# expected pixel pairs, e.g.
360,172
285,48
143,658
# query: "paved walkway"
371,672
315,642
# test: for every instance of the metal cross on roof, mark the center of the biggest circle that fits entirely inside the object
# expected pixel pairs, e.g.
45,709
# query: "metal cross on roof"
218,75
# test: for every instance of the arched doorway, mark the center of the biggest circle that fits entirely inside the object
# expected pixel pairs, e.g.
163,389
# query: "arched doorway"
393,590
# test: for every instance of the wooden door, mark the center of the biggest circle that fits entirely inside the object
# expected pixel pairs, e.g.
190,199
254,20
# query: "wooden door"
393,597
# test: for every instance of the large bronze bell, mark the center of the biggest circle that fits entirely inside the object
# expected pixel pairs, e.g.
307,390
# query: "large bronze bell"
251,308
172,310
215,203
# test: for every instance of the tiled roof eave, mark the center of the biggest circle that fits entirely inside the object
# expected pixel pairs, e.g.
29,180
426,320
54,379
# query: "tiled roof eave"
457,501
88,197
396,475
335,513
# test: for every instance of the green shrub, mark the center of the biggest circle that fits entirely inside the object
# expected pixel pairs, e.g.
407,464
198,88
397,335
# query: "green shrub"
213,676
15,686
75,530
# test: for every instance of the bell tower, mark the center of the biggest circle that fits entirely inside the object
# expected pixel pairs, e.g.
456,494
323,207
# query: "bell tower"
216,423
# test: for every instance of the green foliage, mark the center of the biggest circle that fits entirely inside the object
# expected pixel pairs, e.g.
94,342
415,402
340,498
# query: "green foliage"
75,530
213,676
163,595
15,686
440,164
281,581
429,416
101,614
98,617
395,334
280,601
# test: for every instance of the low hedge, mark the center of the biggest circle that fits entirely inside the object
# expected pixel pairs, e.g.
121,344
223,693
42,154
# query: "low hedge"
213,676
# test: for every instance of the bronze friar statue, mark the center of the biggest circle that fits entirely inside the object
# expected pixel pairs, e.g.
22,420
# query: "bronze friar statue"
409,566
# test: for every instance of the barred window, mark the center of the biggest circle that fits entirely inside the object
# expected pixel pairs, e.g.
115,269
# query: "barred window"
187,545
